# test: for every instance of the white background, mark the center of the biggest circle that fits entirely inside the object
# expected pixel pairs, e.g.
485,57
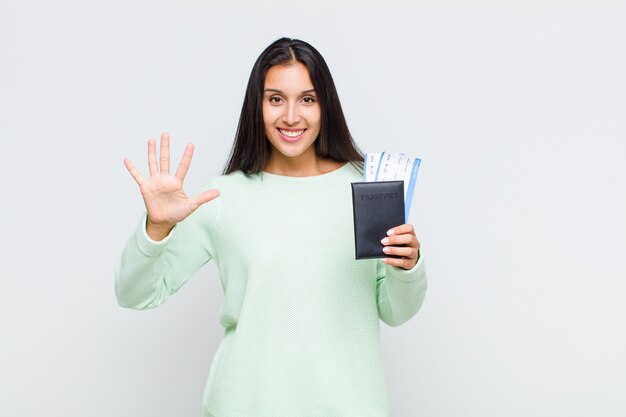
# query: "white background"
517,110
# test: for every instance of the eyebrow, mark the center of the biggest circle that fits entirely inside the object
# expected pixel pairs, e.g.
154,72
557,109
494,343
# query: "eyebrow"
312,90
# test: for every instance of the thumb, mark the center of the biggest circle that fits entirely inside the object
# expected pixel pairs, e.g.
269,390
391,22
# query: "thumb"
204,197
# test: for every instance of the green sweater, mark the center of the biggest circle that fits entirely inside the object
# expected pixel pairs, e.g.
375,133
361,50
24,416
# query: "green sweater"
301,315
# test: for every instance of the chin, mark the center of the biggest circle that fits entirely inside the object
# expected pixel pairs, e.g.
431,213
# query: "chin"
290,152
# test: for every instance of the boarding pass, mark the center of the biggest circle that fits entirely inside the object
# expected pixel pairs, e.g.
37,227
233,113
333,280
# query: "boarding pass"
386,166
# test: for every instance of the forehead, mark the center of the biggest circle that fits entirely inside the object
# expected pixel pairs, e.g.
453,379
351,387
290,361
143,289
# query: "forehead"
289,77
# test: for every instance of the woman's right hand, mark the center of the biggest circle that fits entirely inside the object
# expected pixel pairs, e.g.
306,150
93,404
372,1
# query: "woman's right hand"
162,193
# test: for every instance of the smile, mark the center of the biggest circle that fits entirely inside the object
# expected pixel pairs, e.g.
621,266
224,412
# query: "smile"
291,135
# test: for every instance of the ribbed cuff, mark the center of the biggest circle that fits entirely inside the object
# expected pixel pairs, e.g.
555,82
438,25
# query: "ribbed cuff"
408,275
146,245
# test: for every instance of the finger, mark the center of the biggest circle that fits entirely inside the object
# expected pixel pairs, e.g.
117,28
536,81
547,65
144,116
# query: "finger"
165,153
204,197
405,251
402,229
406,239
152,162
183,167
400,262
133,171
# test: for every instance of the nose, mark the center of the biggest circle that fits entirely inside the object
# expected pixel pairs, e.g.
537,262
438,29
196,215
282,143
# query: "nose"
292,115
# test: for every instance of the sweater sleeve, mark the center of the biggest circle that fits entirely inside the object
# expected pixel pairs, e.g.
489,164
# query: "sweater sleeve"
148,272
400,292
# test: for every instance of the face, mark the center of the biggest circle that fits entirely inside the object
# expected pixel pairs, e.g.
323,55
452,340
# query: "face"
291,113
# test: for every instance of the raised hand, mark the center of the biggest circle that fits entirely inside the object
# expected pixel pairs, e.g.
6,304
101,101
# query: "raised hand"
162,193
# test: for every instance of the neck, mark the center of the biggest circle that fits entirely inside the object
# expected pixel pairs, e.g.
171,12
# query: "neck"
301,166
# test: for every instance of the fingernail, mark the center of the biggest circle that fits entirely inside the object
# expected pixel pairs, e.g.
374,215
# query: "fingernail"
384,240
386,249
390,232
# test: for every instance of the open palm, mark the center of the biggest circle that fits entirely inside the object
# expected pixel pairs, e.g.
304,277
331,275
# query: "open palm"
163,194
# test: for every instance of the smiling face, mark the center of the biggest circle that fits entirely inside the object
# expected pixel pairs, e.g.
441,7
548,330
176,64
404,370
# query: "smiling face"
291,114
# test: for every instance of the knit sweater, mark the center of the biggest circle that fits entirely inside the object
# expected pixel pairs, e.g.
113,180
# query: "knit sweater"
300,313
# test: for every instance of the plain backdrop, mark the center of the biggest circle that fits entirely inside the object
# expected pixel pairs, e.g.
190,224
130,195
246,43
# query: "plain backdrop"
516,108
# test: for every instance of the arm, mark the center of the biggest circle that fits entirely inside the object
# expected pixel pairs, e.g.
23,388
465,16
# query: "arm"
400,292
172,240
400,282
148,272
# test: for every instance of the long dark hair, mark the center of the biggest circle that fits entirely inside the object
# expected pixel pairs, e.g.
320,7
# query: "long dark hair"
251,149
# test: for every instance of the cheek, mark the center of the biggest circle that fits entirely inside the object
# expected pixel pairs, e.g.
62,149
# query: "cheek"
314,116
267,124
316,122
269,114
318,115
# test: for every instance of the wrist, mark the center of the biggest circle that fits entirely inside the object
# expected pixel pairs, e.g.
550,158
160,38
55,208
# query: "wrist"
157,231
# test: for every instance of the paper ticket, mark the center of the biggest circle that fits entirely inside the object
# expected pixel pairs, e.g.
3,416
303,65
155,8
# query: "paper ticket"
384,166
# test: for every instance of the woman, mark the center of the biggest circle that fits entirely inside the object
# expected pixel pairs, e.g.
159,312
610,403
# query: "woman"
301,315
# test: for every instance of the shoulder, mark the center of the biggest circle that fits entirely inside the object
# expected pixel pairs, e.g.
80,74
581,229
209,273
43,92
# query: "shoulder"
233,179
353,167
355,171
230,186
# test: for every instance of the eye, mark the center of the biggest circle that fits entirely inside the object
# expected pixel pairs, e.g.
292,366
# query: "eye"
275,99
309,99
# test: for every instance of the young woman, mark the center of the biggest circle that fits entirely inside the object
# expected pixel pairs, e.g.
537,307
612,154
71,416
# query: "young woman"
301,315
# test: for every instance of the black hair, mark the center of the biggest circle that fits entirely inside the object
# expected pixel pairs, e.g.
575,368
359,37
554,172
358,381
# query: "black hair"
251,150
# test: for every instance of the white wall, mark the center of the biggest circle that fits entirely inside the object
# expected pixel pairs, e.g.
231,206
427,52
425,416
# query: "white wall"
517,109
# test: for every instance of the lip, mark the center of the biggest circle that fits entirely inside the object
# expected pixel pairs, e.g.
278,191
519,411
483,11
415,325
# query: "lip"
290,139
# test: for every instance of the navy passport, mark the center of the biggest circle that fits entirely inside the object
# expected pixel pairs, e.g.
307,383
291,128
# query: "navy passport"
377,207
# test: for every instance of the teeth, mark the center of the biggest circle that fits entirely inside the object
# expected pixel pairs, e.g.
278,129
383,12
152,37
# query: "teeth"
291,134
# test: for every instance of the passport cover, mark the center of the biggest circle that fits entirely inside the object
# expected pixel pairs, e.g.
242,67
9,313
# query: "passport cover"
376,207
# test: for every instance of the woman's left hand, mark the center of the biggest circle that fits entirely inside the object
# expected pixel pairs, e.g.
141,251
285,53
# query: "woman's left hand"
401,235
